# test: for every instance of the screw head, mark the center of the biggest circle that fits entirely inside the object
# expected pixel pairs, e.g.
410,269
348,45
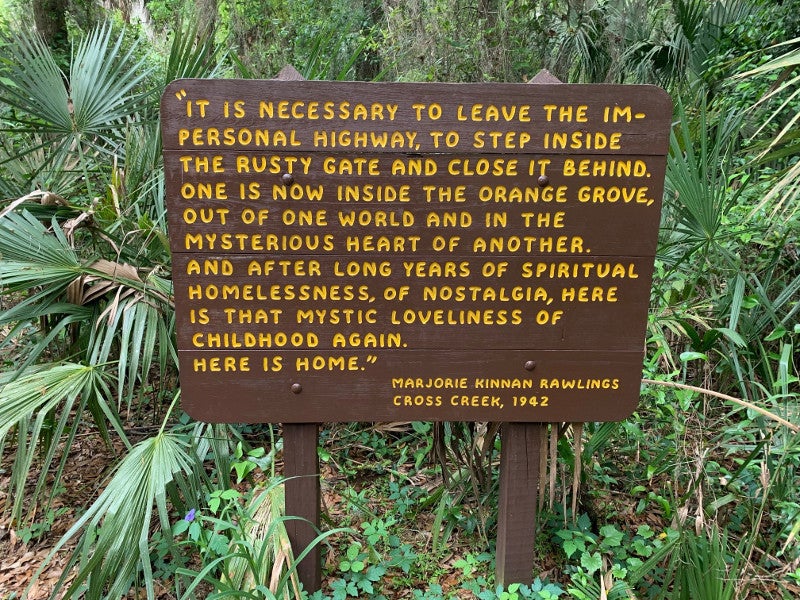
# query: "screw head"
287,179
530,365
543,180
296,388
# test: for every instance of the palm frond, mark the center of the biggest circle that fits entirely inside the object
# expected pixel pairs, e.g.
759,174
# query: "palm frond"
107,562
697,179
132,329
43,166
102,84
34,84
191,56
36,263
81,112
142,199
41,390
23,238
29,403
131,316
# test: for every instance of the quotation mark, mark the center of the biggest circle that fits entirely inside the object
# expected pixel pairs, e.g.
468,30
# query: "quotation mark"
372,359
180,95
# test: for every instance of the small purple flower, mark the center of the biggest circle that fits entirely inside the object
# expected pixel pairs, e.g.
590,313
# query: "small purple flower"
189,515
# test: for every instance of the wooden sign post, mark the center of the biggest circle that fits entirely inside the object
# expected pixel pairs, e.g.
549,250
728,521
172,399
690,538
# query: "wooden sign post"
392,251
301,469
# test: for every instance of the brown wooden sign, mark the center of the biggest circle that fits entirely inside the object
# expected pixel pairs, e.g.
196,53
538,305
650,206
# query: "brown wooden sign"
376,251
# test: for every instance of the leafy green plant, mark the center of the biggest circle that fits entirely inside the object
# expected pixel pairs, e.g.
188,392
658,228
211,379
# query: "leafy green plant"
615,557
538,590
704,569
244,545
473,563
358,575
516,591
407,498
434,592
244,464
42,526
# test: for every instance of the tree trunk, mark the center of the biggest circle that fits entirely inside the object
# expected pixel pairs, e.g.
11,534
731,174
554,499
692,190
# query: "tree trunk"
206,18
368,65
49,17
139,12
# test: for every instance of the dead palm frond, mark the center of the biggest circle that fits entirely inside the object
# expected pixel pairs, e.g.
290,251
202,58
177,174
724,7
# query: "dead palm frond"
267,541
122,314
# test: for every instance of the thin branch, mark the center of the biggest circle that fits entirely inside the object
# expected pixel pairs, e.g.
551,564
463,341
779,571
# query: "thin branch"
739,401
